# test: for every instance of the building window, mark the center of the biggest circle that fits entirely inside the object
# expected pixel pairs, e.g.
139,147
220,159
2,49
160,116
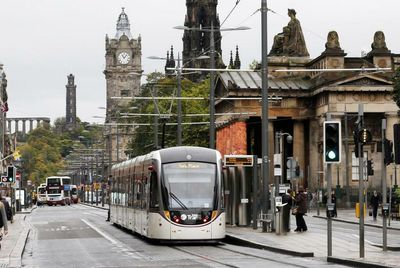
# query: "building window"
355,167
124,93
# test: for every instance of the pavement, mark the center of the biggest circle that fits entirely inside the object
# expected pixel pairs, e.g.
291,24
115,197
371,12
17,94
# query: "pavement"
312,243
13,244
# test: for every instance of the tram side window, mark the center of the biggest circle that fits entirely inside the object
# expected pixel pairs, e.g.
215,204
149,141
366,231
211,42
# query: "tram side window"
154,198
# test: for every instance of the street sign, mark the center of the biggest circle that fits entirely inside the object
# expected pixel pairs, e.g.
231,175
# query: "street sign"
4,178
238,160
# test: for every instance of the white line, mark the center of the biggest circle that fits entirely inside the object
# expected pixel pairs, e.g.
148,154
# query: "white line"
369,242
119,245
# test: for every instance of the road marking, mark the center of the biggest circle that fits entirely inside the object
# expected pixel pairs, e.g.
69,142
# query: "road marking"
369,242
119,245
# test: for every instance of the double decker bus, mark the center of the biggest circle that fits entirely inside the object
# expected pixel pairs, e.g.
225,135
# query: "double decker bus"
58,190
41,194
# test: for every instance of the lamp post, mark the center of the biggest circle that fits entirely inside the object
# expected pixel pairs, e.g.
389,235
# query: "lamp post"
264,116
212,71
2,151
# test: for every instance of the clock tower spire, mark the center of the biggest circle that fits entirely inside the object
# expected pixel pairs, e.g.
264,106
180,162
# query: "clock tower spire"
123,72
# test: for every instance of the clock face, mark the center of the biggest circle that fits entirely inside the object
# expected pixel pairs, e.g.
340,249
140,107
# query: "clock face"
124,58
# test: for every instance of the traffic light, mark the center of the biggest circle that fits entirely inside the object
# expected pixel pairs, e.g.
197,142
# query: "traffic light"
332,141
388,152
396,138
11,174
370,168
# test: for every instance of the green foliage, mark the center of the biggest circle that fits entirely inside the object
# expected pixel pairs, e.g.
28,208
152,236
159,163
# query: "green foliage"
44,149
396,87
142,141
41,155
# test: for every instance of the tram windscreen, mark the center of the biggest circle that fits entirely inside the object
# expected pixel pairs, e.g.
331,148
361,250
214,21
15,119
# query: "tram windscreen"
190,185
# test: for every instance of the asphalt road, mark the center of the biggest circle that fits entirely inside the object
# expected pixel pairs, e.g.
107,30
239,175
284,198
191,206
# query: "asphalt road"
79,236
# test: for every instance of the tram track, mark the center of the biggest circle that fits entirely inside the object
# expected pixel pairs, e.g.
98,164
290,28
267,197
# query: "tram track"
223,247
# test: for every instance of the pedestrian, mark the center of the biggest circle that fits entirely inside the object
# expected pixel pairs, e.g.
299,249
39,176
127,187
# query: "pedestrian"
374,203
301,203
287,198
7,208
3,221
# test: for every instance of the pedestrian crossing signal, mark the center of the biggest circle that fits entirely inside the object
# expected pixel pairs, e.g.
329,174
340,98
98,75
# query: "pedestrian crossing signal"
11,172
332,141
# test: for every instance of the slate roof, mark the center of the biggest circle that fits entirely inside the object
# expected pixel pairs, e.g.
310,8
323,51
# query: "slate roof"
252,80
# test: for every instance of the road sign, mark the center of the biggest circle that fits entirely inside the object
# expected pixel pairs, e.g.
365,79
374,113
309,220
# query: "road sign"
4,178
238,160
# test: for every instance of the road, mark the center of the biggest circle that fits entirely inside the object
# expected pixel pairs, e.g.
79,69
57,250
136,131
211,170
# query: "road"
79,236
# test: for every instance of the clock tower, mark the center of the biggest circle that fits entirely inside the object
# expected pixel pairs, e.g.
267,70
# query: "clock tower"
123,72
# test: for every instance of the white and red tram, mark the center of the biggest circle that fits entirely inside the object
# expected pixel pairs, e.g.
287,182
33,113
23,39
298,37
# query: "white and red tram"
170,194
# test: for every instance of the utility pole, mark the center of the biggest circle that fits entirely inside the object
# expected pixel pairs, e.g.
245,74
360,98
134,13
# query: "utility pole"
384,203
264,117
359,127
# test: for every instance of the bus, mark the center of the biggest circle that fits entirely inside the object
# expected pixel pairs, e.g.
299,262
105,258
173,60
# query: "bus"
58,190
74,194
173,194
41,194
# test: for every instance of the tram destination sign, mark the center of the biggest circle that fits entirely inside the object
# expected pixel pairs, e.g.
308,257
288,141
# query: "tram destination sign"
238,160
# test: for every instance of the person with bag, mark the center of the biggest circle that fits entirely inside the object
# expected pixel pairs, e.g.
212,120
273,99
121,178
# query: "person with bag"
7,208
301,203
3,221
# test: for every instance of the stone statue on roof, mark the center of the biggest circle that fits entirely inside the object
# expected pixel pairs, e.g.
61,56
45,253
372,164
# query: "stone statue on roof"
291,41
379,41
332,41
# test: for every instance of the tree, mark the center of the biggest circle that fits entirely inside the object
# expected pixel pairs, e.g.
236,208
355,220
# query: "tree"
142,141
41,155
396,87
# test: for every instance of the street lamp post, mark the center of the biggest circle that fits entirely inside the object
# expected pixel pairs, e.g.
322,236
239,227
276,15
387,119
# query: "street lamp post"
264,116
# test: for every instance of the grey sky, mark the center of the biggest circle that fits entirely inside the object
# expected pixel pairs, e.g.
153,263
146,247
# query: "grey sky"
42,41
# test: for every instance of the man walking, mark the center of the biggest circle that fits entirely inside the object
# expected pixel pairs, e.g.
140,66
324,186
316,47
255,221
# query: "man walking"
375,201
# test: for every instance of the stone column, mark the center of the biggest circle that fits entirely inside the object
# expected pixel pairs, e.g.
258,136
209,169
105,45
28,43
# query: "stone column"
16,125
391,119
30,124
316,166
23,127
9,125
298,147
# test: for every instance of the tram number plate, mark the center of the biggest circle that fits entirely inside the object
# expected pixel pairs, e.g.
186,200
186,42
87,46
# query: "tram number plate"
193,217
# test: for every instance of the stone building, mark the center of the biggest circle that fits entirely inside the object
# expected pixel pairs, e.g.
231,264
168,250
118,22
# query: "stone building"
200,15
123,72
300,101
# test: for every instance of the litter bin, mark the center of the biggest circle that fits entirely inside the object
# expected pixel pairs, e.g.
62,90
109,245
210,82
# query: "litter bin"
279,219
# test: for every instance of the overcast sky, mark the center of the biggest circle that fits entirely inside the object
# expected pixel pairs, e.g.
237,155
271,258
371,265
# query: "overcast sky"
42,41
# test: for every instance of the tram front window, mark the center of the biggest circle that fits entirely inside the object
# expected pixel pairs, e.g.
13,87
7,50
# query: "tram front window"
190,185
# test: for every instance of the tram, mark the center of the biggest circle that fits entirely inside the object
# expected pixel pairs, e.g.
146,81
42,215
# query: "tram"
170,194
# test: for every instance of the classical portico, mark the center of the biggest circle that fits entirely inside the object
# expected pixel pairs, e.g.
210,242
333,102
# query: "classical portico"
299,104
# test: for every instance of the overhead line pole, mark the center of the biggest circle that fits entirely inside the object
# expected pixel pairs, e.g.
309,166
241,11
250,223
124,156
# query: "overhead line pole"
264,123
